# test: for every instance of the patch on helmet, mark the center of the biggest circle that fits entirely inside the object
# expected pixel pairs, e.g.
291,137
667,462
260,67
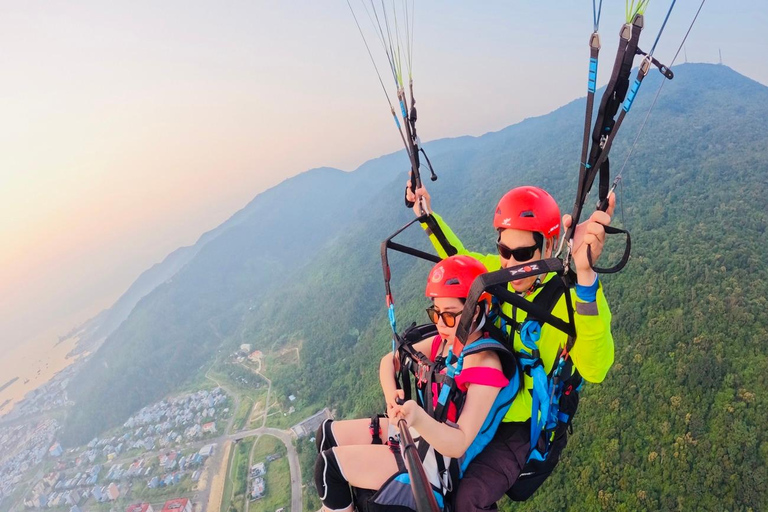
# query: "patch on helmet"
438,274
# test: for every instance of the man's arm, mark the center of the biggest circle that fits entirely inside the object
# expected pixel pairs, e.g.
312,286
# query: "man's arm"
593,351
446,243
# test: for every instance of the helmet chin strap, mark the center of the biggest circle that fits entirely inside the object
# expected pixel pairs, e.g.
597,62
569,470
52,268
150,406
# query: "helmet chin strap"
535,286
480,324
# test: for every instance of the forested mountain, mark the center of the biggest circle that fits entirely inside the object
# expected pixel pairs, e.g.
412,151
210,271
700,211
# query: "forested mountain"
177,327
677,424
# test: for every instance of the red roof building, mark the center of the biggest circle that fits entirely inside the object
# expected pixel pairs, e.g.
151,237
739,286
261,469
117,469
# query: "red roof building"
178,505
139,507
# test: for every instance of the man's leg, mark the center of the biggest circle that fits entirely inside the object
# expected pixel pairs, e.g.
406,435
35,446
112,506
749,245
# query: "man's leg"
494,470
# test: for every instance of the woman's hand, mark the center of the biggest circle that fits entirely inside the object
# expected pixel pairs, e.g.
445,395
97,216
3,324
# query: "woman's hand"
409,411
393,399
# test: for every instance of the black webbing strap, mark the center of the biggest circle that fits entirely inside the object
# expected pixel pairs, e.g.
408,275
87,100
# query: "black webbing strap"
594,52
413,252
402,371
547,298
612,99
611,230
668,73
432,176
441,411
496,283
394,447
375,429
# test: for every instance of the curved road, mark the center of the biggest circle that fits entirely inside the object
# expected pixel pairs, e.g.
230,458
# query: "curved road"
293,458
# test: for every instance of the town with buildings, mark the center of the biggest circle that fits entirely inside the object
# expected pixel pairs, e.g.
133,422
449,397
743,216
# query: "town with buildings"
175,455
163,446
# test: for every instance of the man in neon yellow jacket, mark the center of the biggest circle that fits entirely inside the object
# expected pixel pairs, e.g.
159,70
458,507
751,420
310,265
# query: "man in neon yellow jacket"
527,220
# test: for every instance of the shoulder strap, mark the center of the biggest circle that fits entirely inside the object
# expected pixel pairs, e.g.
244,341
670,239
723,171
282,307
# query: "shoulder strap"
506,356
548,296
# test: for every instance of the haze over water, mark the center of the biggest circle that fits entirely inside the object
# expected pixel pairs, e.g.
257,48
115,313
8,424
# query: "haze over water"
129,130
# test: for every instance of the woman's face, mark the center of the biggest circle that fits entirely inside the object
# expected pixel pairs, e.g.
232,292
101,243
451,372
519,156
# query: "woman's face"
518,239
447,305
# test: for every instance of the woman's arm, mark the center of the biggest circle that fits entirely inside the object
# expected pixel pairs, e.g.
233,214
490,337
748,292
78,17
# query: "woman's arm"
387,372
454,441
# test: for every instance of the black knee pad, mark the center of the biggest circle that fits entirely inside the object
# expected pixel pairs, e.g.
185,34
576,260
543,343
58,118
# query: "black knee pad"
324,437
332,487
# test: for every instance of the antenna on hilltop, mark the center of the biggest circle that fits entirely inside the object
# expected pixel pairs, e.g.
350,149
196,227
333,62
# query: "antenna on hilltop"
685,52
721,55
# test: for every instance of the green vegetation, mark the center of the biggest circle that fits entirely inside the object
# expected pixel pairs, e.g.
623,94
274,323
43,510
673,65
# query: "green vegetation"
268,445
176,330
678,423
278,479
278,488
307,451
242,414
310,501
283,420
236,486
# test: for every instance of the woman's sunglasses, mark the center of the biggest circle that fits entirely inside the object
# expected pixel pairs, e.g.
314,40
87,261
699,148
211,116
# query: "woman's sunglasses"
449,319
520,254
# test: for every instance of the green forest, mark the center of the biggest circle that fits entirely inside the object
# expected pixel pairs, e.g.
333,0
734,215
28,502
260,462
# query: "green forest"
677,423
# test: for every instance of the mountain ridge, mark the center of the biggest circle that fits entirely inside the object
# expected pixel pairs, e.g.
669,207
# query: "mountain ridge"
704,142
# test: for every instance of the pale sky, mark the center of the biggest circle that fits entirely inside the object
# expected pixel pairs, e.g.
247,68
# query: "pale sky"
129,129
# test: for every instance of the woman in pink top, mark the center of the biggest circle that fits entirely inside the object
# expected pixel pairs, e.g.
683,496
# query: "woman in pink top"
468,388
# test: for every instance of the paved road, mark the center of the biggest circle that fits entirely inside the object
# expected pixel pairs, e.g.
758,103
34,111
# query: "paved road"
286,437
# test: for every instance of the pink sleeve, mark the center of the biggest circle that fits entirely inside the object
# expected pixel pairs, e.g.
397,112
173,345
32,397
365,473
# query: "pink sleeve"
481,375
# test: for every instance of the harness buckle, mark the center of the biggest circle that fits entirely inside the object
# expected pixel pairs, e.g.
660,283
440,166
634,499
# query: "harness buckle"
423,373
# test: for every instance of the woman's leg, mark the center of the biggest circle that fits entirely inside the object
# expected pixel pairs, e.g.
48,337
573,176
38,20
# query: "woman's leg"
348,432
363,466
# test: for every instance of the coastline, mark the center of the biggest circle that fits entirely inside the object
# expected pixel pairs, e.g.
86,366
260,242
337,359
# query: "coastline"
33,365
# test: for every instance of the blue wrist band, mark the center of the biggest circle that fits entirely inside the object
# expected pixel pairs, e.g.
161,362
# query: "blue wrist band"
588,293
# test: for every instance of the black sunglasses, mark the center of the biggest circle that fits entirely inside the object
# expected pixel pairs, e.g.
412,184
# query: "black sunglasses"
449,319
520,254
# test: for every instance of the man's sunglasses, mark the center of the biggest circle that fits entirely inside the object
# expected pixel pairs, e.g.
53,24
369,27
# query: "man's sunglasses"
449,319
520,254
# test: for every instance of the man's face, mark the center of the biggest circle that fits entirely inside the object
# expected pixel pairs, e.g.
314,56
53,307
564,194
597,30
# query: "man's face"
517,241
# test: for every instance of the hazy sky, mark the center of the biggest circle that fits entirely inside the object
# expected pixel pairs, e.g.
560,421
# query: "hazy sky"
128,129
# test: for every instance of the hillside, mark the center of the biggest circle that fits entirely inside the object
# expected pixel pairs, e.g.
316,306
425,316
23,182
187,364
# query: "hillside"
677,423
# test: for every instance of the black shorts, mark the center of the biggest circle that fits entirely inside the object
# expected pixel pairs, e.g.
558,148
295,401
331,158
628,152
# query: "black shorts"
495,469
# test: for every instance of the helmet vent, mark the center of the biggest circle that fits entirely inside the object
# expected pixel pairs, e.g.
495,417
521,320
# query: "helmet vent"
452,282
527,213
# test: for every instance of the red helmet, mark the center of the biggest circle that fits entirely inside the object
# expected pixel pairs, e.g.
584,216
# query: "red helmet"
528,209
453,277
